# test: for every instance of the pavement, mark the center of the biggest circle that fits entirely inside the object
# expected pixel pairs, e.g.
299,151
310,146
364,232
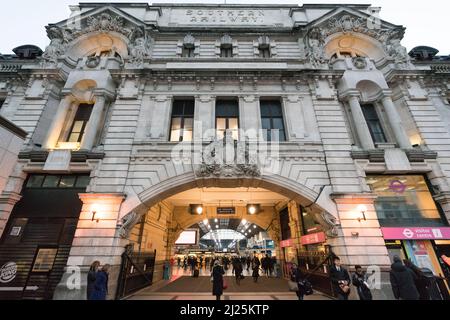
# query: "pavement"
182,286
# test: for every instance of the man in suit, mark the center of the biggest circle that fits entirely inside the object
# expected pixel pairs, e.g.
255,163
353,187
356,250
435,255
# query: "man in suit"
340,279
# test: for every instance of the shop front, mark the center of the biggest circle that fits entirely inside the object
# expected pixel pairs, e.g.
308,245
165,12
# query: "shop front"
412,224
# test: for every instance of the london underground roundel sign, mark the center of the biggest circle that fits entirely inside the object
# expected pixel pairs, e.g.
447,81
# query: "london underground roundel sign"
8,272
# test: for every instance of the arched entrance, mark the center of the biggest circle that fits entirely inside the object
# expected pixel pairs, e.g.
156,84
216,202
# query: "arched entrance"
165,212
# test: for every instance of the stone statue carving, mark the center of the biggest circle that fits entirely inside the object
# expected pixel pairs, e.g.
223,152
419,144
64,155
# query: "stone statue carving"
359,62
189,41
57,46
398,52
127,223
140,47
316,53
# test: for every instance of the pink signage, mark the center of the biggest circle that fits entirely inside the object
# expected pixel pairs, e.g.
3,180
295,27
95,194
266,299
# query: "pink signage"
286,243
416,233
313,238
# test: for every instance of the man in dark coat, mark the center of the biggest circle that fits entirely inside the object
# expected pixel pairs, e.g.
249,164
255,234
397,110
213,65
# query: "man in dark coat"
359,280
340,279
217,280
402,281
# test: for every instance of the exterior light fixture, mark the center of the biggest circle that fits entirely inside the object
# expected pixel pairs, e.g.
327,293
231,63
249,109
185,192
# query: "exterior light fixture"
196,209
253,208
244,221
205,222
216,220
362,209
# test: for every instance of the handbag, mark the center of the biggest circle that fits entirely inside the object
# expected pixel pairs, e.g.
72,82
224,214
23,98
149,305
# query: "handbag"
293,286
225,284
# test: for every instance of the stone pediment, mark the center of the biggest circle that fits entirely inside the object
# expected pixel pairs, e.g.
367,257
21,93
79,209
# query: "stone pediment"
347,20
104,19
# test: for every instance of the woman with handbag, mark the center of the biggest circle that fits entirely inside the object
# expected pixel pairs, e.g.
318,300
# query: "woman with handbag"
217,280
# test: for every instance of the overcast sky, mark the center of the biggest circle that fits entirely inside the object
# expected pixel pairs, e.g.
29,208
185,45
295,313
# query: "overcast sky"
427,22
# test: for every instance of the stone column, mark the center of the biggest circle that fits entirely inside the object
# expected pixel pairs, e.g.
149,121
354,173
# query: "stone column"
58,122
360,123
396,122
95,121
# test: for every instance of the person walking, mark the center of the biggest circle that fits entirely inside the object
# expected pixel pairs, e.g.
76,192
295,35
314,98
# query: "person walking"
255,268
91,277
249,262
402,281
272,262
340,279
217,280
101,284
419,280
179,262
297,276
238,269
359,280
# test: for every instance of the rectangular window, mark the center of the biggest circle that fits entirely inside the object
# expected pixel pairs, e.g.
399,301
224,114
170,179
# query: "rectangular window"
374,124
226,52
2,101
182,120
79,122
264,53
57,181
404,201
45,259
227,118
272,120
187,52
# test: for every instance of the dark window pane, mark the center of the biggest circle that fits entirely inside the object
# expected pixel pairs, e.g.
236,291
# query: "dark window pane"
177,109
35,181
227,108
51,182
83,181
278,123
266,123
373,122
67,182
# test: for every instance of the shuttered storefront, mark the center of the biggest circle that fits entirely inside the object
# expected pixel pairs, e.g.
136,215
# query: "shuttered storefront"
36,243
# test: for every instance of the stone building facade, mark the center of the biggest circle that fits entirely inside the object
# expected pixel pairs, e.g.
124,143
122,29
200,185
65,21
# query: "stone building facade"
359,118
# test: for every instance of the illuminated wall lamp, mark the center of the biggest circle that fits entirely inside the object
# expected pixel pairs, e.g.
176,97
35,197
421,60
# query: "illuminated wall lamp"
253,209
196,209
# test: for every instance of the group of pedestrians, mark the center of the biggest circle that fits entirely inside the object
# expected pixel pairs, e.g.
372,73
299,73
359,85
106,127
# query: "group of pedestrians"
407,281
97,281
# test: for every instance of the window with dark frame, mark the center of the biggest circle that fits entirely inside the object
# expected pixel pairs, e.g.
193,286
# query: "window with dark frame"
272,120
227,118
2,101
38,181
187,52
226,51
181,128
79,122
264,52
374,123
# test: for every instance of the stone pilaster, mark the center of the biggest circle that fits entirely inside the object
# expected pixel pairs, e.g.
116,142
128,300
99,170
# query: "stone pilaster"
96,238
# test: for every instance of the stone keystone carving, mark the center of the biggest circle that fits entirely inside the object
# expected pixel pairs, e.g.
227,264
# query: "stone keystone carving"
213,166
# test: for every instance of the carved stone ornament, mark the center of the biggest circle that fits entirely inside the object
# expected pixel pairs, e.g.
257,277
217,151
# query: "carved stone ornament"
105,22
189,41
128,223
315,48
140,49
359,62
226,41
92,62
332,224
216,167
58,44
